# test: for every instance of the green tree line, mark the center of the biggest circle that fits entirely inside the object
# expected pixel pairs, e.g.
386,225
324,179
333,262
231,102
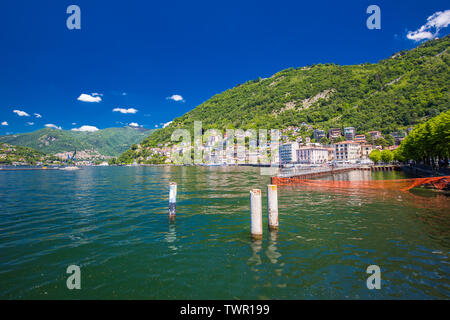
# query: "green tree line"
428,142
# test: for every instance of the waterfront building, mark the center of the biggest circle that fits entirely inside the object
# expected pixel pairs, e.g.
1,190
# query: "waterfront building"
312,155
347,151
366,149
330,153
349,133
288,152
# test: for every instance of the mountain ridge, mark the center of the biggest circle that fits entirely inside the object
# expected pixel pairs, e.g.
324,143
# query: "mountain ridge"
107,142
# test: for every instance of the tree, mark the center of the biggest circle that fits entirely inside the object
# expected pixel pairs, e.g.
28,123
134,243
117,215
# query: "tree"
389,139
381,142
375,156
387,156
369,138
428,141
398,156
324,140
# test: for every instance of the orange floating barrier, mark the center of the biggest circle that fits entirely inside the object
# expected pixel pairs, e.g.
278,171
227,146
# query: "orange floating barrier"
439,183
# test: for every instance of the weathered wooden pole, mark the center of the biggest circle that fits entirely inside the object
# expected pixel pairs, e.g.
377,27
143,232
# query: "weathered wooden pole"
256,214
172,199
272,206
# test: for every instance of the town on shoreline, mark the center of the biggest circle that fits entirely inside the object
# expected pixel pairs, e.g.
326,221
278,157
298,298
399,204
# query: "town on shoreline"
300,147
290,147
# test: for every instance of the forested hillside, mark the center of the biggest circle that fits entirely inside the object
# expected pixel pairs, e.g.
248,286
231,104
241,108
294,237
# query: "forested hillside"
401,91
22,155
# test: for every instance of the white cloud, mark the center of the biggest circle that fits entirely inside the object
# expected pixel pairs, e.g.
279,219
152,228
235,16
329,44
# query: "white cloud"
89,98
97,94
166,124
74,123
30,123
124,93
430,30
175,97
134,124
50,125
4,123
21,113
156,126
122,110
37,115
86,129
419,36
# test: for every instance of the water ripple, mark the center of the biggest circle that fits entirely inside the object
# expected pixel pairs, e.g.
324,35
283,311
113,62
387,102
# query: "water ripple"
113,223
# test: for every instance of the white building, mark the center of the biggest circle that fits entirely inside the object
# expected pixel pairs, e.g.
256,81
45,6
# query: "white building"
288,152
347,151
366,149
312,155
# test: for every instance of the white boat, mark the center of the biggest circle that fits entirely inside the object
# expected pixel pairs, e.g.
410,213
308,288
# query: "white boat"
70,168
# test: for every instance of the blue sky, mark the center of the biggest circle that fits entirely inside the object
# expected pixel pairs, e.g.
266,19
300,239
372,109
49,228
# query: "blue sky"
138,54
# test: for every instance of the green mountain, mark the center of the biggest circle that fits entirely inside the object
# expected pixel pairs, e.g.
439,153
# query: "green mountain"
22,155
107,142
403,90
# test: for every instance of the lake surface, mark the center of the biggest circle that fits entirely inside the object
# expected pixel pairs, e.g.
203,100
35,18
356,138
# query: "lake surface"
112,222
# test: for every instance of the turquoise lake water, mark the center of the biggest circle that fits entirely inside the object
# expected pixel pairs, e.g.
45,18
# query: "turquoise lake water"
112,222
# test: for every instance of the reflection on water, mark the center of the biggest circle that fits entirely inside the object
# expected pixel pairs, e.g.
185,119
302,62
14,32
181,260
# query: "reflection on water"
113,223
271,251
255,259
171,236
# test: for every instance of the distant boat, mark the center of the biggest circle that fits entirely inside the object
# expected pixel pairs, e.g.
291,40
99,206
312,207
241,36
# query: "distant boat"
213,164
70,168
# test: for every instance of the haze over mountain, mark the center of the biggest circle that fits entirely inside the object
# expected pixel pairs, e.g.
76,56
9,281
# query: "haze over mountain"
107,142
